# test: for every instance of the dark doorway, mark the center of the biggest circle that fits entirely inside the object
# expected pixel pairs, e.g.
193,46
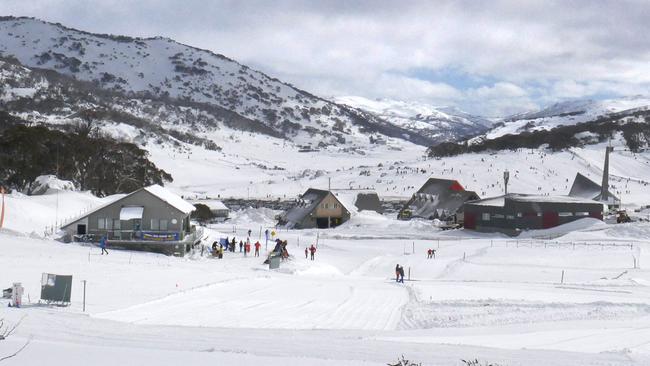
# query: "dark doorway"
321,222
550,219
81,229
470,220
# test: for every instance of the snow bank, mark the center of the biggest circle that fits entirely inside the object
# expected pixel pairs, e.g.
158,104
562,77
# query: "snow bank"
48,184
260,216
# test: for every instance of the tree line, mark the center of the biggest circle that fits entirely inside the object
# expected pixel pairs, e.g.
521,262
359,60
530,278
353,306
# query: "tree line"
635,134
91,161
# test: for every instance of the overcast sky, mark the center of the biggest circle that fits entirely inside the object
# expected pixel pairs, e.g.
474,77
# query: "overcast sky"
491,58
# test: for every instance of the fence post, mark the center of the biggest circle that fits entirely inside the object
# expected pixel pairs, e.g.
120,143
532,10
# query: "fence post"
562,279
409,273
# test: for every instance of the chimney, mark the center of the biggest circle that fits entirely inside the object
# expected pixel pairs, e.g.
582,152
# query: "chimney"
604,193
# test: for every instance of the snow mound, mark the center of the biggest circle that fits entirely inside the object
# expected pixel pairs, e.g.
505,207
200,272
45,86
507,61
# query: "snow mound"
263,216
586,224
47,184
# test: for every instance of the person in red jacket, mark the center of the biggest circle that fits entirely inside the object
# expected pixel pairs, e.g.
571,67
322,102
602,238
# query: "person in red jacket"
257,248
247,248
312,250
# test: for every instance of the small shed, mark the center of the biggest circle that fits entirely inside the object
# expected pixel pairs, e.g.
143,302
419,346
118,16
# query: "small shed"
217,207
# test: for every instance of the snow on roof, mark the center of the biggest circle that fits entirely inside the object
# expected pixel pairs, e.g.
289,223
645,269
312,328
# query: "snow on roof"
171,198
212,204
520,197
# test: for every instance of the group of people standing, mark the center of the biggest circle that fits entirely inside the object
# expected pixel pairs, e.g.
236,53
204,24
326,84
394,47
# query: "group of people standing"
311,250
231,245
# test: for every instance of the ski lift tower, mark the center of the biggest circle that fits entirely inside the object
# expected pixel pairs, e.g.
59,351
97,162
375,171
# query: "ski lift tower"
506,178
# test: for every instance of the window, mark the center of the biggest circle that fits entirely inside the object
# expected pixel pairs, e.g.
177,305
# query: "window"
510,217
485,216
497,216
582,213
101,224
155,224
109,224
163,225
519,214
117,224
565,214
539,214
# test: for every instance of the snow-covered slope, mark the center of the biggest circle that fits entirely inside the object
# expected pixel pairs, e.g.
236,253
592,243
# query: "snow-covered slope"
567,113
438,123
163,69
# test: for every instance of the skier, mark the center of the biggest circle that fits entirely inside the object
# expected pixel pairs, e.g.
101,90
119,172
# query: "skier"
241,247
249,232
214,249
232,244
221,252
257,248
429,253
312,250
247,248
401,274
433,253
102,244
306,252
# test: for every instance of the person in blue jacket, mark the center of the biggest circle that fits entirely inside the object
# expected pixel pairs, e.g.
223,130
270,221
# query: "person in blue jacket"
102,244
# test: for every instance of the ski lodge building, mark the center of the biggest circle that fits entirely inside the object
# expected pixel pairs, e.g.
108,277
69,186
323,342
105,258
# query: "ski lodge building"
316,208
512,213
438,199
150,219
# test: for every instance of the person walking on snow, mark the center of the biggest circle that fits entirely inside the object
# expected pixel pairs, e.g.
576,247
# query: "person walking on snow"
102,244
257,248
397,273
241,246
401,274
306,252
312,250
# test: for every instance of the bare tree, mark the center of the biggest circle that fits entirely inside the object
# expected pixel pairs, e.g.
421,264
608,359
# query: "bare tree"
6,330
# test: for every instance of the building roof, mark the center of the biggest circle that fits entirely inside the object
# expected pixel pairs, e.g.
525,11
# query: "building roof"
587,188
438,197
173,199
499,201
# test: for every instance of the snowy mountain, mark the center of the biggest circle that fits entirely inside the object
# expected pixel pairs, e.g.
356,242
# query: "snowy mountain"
211,89
568,113
437,123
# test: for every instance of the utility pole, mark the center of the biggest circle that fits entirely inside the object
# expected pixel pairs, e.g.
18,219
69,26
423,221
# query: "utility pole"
506,178
84,303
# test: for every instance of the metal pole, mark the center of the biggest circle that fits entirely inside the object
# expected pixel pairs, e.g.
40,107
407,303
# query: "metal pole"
413,250
562,279
84,303
409,273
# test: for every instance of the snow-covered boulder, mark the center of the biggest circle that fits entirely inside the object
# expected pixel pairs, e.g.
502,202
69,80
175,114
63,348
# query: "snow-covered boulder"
46,184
